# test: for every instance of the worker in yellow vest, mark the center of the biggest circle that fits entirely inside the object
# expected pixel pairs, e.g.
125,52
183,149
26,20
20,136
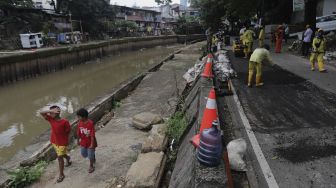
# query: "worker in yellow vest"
259,57
248,42
319,48
261,37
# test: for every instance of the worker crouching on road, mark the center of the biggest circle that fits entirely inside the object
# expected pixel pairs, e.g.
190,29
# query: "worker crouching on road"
258,58
248,42
319,48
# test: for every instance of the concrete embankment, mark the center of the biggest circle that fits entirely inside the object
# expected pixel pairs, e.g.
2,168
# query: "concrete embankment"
23,66
119,143
42,150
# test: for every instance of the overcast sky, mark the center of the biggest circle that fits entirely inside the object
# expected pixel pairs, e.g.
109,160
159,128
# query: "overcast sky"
139,3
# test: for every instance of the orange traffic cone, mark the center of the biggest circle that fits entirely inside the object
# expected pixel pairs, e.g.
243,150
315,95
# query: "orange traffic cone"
210,58
209,115
207,73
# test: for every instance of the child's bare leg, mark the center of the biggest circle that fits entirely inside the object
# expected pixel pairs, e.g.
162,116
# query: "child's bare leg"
61,166
67,158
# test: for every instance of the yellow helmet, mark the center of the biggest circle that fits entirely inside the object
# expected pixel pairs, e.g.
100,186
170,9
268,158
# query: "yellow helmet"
320,30
307,26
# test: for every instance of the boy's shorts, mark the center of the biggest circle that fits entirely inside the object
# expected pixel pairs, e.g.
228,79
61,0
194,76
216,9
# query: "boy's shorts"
60,150
88,153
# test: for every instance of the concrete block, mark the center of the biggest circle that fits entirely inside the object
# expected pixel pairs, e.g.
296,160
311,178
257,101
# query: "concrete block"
157,140
146,171
145,120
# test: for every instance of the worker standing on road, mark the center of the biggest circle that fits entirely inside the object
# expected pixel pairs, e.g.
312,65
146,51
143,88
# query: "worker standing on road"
278,39
258,58
261,37
319,48
248,42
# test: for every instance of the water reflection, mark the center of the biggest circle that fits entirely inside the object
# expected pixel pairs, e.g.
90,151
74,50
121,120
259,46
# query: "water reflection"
7,137
71,89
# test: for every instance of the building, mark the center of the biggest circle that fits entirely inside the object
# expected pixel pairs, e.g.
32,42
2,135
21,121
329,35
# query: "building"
43,4
184,4
324,7
142,17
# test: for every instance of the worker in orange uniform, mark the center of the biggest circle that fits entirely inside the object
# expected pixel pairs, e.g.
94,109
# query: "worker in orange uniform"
319,48
257,59
248,42
279,34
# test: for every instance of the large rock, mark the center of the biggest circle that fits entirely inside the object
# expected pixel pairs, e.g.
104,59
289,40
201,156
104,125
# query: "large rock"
146,171
157,140
145,120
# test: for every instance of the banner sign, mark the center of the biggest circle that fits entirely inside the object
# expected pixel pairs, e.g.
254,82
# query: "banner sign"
298,5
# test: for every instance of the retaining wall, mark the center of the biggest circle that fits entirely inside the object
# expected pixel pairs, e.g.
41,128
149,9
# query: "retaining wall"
27,65
96,110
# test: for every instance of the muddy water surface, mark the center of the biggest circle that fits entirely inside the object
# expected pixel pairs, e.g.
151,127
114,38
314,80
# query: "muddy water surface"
71,89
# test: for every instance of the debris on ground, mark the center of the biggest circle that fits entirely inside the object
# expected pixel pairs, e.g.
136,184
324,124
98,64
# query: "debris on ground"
236,151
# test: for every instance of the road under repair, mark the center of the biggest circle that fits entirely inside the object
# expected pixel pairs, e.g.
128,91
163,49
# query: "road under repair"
294,124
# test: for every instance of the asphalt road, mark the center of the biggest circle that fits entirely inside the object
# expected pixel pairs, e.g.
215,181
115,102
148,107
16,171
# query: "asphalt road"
294,122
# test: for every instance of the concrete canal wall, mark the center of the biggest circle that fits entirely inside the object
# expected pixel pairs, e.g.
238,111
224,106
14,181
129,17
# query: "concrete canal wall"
27,65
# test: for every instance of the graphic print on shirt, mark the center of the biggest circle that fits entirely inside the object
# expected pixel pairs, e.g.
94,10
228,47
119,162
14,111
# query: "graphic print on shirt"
84,131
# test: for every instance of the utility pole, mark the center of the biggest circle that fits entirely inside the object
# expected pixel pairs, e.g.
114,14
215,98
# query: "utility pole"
71,26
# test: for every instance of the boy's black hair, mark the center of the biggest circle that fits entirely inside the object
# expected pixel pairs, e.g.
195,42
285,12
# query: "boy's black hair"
53,107
82,113
266,46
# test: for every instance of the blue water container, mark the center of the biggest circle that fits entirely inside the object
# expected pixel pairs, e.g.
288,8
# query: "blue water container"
211,150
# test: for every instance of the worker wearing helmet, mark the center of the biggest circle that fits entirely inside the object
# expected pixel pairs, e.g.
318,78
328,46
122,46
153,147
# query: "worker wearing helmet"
261,37
257,59
319,48
248,42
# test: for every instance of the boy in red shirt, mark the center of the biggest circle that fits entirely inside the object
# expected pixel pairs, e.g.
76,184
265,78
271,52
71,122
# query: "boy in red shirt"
86,137
59,137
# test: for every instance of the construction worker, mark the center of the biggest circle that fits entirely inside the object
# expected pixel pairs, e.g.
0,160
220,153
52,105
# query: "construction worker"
248,42
279,34
319,48
261,37
259,57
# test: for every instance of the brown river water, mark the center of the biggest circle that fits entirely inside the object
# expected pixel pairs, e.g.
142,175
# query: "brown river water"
71,89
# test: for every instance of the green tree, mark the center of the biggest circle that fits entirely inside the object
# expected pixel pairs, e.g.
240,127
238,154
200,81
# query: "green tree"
310,12
94,14
15,3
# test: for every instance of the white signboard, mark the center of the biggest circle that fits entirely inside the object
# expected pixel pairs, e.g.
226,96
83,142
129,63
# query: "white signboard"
298,5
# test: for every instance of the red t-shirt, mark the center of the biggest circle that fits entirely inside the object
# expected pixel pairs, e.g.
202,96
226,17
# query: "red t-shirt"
60,131
85,130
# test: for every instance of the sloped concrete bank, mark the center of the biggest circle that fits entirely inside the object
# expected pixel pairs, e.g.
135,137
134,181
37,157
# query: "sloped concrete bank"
41,149
122,158
187,171
23,66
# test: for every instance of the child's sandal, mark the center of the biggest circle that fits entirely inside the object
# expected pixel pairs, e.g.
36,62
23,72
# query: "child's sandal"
92,169
60,179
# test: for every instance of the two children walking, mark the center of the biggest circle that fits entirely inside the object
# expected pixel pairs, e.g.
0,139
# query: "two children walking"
59,137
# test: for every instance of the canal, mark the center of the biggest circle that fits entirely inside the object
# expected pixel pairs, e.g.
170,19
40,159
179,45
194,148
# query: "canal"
71,89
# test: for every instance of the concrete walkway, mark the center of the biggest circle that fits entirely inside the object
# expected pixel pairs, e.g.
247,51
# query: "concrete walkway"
119,142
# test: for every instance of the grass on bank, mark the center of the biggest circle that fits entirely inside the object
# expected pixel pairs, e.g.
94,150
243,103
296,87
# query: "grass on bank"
176,125
24,176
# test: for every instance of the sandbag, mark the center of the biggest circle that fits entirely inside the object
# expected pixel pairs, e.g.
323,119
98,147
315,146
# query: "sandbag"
236,151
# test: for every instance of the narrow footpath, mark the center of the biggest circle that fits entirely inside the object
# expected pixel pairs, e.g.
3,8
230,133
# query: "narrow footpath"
293,118
119,142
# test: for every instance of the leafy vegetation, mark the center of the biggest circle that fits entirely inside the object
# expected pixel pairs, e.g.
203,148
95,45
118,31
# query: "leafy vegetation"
188,25
24,176
176,126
